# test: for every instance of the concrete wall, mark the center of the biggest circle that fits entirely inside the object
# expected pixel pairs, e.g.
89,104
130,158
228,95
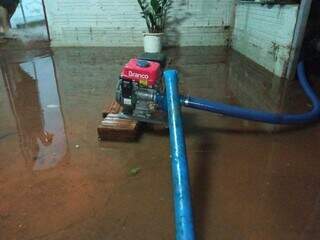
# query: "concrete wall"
118,22
265,34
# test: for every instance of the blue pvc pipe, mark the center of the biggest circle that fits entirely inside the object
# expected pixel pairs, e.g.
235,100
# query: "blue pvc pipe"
179,162
260,116
172,101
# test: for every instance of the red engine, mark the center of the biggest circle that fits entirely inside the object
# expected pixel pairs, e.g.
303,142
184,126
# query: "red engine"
139,83
146,73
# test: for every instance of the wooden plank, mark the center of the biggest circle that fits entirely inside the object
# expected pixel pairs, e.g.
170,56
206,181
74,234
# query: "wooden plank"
115,127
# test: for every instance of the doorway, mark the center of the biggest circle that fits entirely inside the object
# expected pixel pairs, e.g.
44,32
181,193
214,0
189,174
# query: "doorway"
28,23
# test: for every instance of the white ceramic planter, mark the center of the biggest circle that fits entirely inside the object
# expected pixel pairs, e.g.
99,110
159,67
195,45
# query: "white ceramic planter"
152,42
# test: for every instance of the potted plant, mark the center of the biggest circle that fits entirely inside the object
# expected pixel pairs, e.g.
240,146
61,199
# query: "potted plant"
155,14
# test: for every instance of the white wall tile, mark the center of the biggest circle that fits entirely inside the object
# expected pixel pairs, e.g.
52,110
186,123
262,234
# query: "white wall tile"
265,34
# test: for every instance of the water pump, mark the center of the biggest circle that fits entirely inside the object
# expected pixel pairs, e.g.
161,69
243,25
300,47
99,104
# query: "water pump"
139,85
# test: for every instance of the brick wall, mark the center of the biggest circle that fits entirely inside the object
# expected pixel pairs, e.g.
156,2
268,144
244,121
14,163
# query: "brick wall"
118,22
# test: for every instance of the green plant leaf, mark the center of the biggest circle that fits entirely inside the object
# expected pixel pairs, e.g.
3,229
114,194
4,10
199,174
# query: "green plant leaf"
164,2
155,13
152,21
144,5
134,171
156,6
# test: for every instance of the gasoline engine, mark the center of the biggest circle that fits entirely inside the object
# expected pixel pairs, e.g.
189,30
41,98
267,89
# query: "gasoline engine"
139,85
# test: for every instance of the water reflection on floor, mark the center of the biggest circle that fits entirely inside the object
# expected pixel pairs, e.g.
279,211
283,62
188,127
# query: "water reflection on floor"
35,102
57,181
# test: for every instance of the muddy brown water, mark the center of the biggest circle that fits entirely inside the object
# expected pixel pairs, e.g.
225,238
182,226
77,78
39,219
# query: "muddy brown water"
57,181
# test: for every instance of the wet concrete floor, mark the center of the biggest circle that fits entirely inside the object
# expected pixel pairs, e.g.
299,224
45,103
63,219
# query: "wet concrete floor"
250,181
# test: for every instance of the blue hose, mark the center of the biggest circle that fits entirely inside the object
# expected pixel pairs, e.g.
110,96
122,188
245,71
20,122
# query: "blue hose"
260,116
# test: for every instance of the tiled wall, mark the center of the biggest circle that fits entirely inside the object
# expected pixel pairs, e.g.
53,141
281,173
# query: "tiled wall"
264,34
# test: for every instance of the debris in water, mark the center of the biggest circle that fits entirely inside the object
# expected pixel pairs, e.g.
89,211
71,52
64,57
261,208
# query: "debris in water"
77,146
134,171
52,106
48,137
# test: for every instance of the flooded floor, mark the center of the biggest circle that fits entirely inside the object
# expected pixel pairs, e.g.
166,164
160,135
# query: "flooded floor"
250,181
29,34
